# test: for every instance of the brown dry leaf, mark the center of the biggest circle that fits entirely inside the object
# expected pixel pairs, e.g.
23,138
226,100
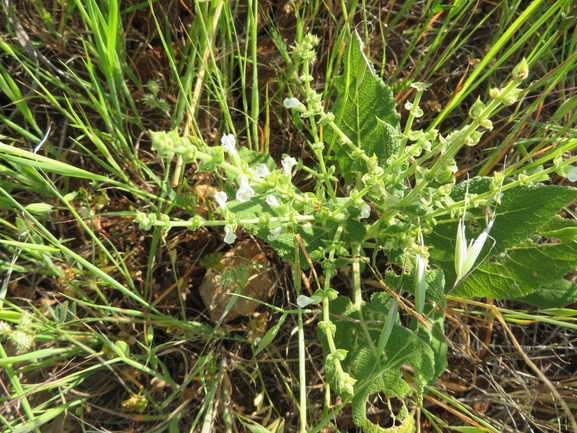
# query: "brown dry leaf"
216,297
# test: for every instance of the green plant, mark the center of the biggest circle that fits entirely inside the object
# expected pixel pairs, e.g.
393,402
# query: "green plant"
99,306
404,178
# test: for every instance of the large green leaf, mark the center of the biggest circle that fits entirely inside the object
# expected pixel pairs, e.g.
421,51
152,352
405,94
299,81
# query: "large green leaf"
513,255
380,372
365,111
523,270
556,294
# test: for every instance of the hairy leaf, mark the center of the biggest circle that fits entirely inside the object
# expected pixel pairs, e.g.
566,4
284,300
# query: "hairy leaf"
365,111
379,372
515,261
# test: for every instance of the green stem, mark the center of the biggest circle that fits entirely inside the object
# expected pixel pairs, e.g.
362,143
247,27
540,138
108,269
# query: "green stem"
409,123
301,342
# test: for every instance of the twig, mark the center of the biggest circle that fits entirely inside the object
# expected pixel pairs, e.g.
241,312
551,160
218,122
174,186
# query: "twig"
536,369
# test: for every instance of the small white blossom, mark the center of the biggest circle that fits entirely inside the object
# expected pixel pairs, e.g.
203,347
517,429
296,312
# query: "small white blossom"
304,301
221,198
572,174
262,171
229,236
272,201
365,211
466,255
245,192
420,283
229,143
288,163
294,103
274,234
291,102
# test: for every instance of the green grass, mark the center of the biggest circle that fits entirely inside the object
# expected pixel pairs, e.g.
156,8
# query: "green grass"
119,338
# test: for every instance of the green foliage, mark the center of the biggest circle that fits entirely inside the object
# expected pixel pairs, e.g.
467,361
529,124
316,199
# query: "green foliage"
365,112
378,372
402,178
521,260
505,256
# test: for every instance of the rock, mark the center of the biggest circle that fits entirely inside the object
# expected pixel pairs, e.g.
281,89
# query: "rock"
216,297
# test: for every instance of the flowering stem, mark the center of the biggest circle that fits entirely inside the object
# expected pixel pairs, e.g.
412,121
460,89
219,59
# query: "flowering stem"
318,150
216,223
410,121
452,150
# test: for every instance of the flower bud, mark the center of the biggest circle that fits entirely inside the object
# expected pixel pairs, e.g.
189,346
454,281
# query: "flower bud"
39,208
477,109
521,71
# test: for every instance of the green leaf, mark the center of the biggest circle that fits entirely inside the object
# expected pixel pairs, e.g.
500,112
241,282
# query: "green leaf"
434,337
563,229
353,231
365,111
508,259
525,269
555,294
270,335
379,372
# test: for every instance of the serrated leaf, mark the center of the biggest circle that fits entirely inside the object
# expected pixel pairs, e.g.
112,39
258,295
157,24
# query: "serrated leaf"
563,229
523,210
365,111
524,270
555,294
378,372
521,214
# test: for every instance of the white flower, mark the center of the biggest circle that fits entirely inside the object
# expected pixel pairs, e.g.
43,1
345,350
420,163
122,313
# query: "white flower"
262,171
291,102
245,192
466,255
304,301
288,163
294,103
221,199
365,211
229,236
274,234
572,174
272,201
229,143
420,283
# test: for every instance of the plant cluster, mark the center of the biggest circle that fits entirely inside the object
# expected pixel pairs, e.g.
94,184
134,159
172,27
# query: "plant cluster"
399,200
396,255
